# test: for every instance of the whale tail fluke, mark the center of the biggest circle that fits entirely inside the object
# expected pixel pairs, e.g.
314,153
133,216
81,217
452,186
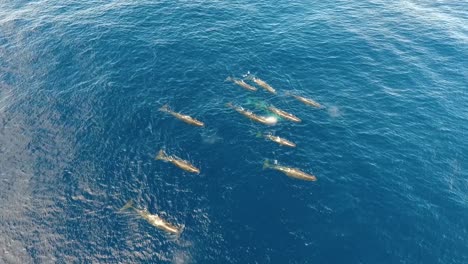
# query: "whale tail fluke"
259,134
229,79
266,164
161,155
249,76
181,230
128,205
164,108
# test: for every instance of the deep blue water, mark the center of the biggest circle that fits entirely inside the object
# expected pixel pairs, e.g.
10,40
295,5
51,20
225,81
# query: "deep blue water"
80,87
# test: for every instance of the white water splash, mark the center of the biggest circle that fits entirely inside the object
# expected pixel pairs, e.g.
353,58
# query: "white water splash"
271,120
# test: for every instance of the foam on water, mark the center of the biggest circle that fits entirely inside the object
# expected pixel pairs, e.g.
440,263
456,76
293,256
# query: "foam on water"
271,120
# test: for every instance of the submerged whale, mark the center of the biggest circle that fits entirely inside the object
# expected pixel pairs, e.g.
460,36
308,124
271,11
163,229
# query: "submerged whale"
291,172
307,101
183,164
153,219
187,119
242,83
284,114
270,120
262,84
279,140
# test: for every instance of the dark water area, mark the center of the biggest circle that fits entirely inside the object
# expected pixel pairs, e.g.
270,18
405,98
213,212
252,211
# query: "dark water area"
81,83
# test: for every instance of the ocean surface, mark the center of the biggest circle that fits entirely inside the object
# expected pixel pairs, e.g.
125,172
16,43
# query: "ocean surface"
81,83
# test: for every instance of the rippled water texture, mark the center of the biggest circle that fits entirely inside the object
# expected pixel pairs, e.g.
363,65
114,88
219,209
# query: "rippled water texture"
80,87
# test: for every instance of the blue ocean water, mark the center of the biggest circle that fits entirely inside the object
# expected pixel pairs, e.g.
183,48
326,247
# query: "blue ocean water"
80,87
